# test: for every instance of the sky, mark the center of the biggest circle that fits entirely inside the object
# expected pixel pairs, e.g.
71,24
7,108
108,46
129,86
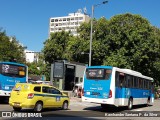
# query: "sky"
28,20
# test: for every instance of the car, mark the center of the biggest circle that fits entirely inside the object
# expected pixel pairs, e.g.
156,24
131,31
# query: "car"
37,97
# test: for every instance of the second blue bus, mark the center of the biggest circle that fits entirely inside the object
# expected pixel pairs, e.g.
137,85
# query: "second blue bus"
109,85
10,74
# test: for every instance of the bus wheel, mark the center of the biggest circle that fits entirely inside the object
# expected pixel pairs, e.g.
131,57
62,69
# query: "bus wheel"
130,104
17,109
104,106
38,107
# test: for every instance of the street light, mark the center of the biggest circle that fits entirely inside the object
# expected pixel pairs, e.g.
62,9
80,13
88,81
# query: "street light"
90,50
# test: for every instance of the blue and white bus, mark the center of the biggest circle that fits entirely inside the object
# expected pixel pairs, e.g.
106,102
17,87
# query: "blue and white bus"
10,74
109,85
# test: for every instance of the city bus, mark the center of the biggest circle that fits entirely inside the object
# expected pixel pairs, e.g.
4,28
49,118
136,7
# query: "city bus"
10,74
114,86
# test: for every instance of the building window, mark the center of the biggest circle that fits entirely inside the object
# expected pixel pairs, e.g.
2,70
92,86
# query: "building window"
56,20
60,20
80,18
76,23
64,19
52,20
68,19
52,29
52,24
72,23
64,23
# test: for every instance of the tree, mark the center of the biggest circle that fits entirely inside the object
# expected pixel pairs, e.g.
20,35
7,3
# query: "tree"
55,48
132,44
126,41
156,64
79,49
33,69
10,48
83,42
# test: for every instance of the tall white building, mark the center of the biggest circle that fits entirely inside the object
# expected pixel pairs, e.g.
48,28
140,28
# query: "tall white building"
68,23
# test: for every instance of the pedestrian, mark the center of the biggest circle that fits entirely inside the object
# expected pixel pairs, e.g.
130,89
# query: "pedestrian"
75,92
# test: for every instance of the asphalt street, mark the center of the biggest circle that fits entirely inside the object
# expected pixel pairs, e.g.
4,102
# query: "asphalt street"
87,111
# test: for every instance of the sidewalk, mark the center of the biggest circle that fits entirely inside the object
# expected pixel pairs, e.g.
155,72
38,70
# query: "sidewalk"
72,98
75,99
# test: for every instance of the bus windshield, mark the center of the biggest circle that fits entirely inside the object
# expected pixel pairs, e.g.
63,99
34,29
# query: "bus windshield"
98,73
12,70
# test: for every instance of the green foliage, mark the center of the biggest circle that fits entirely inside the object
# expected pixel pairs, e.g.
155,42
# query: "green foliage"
83,42
126,41
33,69
39,68
10,48
55,48
79,50
132,44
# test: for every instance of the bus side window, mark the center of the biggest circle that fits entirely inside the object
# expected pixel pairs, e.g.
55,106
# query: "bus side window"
117,79
148,85
135,82
0,68
140,83
152,87
121,80
129,81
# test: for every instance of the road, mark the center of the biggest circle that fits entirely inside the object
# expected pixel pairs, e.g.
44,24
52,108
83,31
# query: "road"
90,111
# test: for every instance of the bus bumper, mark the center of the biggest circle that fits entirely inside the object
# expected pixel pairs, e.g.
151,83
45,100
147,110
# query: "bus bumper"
108,101
4,93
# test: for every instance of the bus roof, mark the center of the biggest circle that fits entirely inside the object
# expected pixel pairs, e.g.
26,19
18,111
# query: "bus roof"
132,72
127,71
109,67
13,63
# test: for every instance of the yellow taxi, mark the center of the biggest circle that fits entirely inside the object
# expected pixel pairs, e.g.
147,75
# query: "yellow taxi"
37,96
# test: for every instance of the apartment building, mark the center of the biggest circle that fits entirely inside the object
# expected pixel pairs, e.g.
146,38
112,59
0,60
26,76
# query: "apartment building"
31,56
68,23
